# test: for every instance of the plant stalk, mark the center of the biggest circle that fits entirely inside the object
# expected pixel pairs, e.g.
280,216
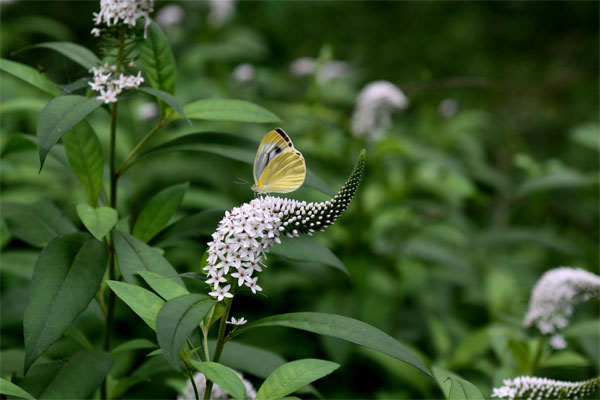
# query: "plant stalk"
220,344
538,355
110,304
138,146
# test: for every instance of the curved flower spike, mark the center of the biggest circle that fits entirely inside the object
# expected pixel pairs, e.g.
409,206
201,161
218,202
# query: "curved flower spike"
246,233
530,387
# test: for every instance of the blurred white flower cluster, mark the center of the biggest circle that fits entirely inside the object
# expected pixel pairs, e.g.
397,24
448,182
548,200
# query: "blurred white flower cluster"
244,73
330,70
555,296
109,86
528,387
170,15
374,107
217,393
221,11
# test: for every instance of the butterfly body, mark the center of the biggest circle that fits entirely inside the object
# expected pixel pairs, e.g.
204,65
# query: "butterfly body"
278,166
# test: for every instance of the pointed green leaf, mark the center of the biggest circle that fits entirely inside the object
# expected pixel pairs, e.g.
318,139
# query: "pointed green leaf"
17,143
167,98
85,157
235,147
134,256
203,223
157,212
134,344
30,76
164,286
10,389
59,116
99,221
37,223
81,55
229,110
176,321
143,302
455,387
157,59
292,376
222,376
308,249
71,383
65,280
341,327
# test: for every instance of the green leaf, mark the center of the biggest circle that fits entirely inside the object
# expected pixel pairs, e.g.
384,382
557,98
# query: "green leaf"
235,147
308,249
167,98
85,157
71,383
134,344
81,55
344,328
99,221
228,110
59,116
454,387
176,321
17,143
164,286
65,280
292,376
23,104
37,223
222,376
143,302
30,75
134,256
203,223
10,389
157,59
157,212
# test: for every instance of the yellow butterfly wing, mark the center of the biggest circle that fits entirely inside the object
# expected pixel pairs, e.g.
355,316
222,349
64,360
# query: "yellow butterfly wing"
273,144
284,173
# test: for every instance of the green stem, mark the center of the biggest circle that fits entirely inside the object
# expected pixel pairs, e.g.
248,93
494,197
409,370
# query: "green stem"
220,344
110,304
538,355
138,146
205,345
191,374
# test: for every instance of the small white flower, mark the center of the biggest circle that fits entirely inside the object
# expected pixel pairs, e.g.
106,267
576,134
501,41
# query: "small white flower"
221,292
148,111
127,12
244,73
373,110
240,321
216,277
251,283
107,96
242,275
110,87
96,32
303,66
558,342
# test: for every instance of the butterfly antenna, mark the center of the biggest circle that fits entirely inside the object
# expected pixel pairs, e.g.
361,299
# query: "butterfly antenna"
240,181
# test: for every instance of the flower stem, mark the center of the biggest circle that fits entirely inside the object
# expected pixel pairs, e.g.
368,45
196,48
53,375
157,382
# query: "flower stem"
220,344
138,146
196,395
110,304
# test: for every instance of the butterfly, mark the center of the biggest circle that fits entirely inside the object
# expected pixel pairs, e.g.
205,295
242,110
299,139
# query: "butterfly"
278,166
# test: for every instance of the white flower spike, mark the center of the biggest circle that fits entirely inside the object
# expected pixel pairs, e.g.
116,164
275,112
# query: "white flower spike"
529,387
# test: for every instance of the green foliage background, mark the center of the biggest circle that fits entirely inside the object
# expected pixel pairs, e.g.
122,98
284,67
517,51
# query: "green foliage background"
456,219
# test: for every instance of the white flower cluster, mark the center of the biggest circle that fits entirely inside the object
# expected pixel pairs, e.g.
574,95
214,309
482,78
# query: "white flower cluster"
109,87
330,70
555,296
374,106
246,233
217,392
528,387
113,12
